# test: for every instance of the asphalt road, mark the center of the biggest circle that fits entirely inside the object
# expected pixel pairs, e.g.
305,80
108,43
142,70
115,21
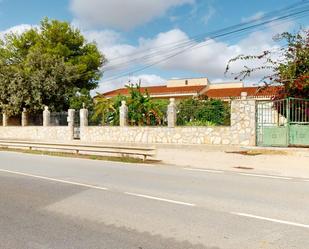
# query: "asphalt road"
50,202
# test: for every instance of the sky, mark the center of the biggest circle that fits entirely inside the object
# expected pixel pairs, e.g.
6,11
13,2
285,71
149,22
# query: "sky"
132,34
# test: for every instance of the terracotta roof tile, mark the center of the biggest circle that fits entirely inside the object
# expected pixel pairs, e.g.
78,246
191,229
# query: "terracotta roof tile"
212,93
158,90
236,92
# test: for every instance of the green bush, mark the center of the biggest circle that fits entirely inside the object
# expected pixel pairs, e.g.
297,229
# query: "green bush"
106,111
203,112
200,123
142,109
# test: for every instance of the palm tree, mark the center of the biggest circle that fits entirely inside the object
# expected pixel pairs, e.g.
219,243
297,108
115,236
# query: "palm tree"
143,110
103,108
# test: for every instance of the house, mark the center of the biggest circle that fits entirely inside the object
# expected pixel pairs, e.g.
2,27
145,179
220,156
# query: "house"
194,87
257,93
175,88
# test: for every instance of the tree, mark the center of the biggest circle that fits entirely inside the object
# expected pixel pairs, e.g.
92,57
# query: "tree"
289,68
142,109
46,66
202,112
104,110
80,98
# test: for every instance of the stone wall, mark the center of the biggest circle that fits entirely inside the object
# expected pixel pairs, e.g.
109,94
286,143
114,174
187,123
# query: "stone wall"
51,133
153,135
241,131
243,122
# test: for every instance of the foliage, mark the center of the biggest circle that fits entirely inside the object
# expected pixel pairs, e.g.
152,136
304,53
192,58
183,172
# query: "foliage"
200,123
142,110
104,110
202,112
288,67
80,98
46,66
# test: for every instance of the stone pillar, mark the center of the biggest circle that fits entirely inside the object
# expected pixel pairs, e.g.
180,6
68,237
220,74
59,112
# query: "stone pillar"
123,110
24,117
70,119
243,95
83,114
5,119
243,122
46,116
171,114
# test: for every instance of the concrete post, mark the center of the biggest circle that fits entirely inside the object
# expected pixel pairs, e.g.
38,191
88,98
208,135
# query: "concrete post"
243,95
70,119
46,116
5,119
171,114
123,110
24,117
83,114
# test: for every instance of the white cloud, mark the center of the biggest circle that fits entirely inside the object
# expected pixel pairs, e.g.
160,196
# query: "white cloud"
119,13
146,80
210,13
110,43
103,38
18,29
254,17
209,57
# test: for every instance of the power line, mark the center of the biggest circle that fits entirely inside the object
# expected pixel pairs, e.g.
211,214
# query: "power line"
220,35
150,59
151,55
150,51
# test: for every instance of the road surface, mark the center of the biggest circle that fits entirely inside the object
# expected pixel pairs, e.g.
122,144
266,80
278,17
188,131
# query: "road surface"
50,203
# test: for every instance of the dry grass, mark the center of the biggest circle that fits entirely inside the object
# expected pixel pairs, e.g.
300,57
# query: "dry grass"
124,159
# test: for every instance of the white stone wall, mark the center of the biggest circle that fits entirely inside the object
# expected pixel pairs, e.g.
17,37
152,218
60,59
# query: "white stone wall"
152,135
51,133
241,132
243,122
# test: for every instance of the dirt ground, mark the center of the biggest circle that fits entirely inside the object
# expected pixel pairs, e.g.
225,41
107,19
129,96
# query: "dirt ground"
283,162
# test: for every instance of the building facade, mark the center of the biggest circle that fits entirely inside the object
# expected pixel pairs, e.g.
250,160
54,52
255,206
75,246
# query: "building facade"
196,87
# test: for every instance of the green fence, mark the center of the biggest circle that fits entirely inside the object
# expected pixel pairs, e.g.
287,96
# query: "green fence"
283,122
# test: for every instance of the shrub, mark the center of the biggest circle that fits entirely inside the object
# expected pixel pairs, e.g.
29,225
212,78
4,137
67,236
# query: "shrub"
202,112
142,109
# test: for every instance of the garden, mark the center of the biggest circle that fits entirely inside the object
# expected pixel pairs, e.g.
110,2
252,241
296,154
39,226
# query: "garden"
146,111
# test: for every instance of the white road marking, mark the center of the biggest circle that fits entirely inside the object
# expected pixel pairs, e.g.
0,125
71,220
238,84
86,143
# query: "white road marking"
54,179
204,170
93,187
244,174
271,220
266,176
160,199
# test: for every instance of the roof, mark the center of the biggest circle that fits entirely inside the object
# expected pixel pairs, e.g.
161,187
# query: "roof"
159,90
251,91
220,93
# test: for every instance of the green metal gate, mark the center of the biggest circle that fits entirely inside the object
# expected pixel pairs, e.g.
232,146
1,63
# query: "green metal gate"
283,123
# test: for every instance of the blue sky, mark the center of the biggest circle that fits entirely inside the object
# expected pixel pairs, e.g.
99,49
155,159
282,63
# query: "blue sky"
123,28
